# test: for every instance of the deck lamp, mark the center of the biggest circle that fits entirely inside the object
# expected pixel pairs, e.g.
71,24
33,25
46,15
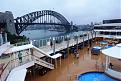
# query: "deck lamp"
68,44
77,41
88,38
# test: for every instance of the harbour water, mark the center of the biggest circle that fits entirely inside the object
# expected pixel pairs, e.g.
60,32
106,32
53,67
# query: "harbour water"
42,37
43,34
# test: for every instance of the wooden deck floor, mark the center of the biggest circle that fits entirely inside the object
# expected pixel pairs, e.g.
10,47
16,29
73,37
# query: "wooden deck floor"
72,67
116,64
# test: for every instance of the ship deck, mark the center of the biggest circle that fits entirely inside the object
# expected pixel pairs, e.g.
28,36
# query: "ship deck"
71,67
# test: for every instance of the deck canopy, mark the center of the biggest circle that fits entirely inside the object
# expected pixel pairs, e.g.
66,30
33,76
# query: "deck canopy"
28,46
18,48
113,51
56,56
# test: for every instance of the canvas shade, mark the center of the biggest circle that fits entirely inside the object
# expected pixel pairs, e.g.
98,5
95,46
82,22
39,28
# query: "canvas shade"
113,51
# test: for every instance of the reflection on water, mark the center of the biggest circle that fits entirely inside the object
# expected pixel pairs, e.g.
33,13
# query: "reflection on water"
39,34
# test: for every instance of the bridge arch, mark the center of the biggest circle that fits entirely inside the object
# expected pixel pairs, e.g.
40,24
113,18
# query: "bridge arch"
22,22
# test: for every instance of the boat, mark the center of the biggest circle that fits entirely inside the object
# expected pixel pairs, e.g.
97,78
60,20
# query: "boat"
109,29
42,59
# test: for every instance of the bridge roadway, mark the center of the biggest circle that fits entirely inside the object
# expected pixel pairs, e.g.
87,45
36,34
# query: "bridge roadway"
44,24
48,50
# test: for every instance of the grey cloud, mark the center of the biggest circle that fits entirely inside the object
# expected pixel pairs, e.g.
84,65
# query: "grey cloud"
78,11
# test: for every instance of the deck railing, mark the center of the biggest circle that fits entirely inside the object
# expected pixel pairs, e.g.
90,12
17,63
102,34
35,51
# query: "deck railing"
17,62
5,72
12,64
58,40
21,43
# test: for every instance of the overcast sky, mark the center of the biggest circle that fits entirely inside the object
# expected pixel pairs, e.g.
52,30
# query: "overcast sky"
78,11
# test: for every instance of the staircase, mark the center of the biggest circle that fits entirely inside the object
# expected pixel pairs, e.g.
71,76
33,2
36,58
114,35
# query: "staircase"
43,63
37,54
9,67
27,61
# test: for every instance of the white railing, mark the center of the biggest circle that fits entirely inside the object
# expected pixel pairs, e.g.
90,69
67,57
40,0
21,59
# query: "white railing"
21,43
114,73
13,64
25,59
45,42
5,72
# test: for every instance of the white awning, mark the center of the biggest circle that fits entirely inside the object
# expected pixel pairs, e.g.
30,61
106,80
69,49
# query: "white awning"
56,56
18,75
113,52
24,47
18,48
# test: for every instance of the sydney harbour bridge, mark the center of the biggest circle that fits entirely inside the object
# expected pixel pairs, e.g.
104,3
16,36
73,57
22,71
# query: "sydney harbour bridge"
44,17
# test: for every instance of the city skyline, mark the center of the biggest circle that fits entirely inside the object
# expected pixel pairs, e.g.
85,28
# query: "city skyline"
78,11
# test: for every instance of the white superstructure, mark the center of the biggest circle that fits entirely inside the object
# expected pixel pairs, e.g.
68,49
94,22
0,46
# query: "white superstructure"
109,29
